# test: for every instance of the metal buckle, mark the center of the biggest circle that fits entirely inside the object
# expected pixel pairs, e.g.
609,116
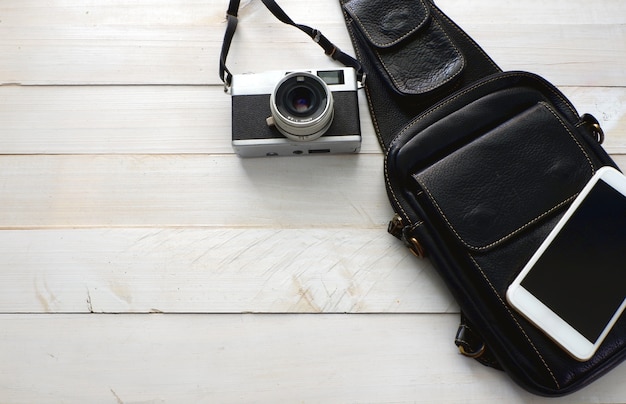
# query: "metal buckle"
317,36
594,125
473,355
416,248
362,81
598,132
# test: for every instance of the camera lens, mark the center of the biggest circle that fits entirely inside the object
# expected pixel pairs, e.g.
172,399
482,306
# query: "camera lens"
302,106
301,100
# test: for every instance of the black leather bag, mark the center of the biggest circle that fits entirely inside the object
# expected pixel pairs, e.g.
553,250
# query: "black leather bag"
479,166
414,56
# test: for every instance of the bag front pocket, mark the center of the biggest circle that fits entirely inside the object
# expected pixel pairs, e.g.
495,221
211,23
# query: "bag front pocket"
508,179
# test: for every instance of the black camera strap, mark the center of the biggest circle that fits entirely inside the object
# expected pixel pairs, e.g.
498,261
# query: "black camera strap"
330,49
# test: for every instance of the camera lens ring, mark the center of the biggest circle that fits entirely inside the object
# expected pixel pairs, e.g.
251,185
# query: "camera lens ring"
302,106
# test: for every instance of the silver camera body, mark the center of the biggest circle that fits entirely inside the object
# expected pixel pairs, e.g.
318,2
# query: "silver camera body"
286,113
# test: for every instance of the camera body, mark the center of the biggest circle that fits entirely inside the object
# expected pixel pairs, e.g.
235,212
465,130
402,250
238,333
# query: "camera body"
285,113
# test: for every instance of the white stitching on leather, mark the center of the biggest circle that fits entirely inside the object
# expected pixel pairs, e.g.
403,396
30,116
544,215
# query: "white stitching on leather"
442,104
433,86
366,88
553,112
391,191
501,239
532,221
371,39
497,77
558,386
434,21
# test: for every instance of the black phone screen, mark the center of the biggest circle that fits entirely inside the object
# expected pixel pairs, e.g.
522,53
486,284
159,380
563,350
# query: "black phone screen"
581,276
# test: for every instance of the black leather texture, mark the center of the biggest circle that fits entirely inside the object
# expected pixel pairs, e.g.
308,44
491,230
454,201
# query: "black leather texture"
480,165
480,179
414,56
395,29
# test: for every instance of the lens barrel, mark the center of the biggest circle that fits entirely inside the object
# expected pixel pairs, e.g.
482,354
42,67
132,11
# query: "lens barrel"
302,106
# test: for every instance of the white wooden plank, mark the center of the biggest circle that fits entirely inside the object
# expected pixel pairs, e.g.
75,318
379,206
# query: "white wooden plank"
207,233
565,55
157,42
126,119
608,105
253,358
153,42
194,190
555,39
537,12
214,271
184,119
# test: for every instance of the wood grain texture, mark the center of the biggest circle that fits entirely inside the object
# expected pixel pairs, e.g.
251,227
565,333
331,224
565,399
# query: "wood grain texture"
185,119
178,42
192,190
215,270
229,278
253,358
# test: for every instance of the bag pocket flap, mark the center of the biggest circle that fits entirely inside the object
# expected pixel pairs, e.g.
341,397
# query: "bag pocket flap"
386,23
407,45
497,186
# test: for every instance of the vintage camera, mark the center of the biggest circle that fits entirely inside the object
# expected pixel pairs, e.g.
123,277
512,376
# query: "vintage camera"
280,113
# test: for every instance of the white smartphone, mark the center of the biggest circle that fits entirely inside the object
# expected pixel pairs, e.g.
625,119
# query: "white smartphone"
574,286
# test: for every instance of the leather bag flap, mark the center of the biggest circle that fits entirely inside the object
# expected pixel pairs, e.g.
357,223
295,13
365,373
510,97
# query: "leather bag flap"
386,23
519,173
407,44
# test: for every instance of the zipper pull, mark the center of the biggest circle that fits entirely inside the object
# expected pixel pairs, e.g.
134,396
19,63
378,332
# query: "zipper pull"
395,226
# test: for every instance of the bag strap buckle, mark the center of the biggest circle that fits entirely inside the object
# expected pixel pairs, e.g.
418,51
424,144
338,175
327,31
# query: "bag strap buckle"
594,126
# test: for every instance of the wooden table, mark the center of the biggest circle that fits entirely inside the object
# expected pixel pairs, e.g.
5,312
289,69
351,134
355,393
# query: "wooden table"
141,261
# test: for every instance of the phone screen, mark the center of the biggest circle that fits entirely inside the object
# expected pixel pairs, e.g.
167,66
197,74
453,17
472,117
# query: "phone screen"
581,276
